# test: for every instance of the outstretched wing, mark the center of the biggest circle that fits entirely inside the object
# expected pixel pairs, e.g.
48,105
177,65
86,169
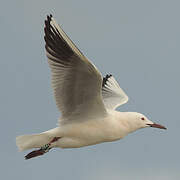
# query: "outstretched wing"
76,81
113,95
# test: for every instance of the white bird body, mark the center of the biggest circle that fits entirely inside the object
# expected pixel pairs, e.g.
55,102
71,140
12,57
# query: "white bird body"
92,131
86,100
79,133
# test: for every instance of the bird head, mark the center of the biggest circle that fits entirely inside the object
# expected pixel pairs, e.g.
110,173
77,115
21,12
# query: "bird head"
138,120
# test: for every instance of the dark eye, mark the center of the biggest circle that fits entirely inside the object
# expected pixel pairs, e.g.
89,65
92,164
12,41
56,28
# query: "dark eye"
142,119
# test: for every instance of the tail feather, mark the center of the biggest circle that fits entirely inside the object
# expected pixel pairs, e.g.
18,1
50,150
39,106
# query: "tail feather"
32,141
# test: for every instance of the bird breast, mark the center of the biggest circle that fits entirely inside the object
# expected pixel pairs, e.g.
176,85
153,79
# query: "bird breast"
90,132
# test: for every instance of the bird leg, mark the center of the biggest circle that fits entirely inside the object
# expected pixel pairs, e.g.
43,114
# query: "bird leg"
54,139
44,149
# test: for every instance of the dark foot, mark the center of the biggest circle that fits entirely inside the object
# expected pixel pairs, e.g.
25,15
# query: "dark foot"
42,150
35,153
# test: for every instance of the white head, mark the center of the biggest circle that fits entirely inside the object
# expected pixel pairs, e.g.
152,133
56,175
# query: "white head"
137,120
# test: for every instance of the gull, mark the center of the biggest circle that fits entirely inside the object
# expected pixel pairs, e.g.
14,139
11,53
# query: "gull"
86,100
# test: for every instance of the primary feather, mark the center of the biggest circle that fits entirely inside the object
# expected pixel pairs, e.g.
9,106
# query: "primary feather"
76,81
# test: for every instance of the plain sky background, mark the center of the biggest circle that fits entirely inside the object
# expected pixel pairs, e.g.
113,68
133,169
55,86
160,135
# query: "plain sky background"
138,41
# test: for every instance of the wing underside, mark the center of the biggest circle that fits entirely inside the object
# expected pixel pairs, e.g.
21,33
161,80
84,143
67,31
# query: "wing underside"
113,95
76,81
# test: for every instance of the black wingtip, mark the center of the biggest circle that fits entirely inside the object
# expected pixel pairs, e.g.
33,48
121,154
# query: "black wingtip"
55,43
49,18
50,15
105,79
47,23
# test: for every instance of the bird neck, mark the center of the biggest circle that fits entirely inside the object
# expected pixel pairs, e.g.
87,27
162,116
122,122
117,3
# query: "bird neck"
127,121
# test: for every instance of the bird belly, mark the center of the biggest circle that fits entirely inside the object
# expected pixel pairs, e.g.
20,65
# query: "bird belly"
85,134
68,142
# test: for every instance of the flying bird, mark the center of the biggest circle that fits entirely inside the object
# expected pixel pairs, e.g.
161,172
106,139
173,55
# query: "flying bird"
86,100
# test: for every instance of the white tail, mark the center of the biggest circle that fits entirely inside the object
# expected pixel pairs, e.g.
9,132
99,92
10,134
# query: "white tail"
32,141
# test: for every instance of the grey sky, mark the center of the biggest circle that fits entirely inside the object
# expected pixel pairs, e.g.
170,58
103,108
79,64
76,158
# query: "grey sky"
137,41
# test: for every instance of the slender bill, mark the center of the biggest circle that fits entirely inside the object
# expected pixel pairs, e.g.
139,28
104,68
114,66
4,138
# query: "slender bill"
157,126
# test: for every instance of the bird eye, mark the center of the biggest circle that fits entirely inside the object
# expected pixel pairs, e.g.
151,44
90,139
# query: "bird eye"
142,119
